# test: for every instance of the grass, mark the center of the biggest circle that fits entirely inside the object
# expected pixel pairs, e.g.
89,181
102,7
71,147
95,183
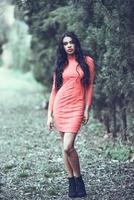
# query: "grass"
23,174
14,80
30,156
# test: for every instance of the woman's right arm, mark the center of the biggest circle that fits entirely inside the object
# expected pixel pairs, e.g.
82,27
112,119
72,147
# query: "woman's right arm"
50,121
50,105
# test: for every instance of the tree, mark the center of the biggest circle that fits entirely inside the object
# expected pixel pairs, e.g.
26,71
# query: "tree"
105,29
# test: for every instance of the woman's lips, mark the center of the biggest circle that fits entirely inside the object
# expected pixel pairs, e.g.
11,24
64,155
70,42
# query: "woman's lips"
70,50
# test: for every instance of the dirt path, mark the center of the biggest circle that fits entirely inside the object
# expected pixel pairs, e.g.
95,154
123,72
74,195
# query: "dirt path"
31,166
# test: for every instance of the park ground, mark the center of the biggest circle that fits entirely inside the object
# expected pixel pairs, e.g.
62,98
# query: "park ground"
31,165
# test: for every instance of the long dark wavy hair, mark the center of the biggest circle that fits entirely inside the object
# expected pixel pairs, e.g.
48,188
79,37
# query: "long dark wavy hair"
62,60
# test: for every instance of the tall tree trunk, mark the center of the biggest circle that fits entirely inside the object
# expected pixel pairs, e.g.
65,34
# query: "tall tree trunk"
106,120
124,123
123,117
114,119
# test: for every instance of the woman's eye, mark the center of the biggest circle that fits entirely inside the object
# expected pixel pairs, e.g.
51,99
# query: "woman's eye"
71,42
65,43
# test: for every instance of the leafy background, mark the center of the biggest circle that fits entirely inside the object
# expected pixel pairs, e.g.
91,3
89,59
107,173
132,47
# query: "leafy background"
30,155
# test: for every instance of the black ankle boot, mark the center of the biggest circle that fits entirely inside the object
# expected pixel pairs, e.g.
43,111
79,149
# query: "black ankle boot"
80,187
72,187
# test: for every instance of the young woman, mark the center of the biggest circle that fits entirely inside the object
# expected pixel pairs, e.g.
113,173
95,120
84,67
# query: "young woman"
70,102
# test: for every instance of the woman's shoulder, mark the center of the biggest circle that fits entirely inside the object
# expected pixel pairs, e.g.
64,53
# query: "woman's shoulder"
90,61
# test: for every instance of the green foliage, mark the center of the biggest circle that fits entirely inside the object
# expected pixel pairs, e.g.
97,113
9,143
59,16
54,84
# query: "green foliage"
19,46
15,40
23,174
117,151
53,191
105,30
9,167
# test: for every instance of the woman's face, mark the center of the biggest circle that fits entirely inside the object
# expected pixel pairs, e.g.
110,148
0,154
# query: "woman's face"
68,45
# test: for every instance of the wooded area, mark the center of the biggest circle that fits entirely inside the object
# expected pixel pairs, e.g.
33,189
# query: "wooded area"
105,29
30,156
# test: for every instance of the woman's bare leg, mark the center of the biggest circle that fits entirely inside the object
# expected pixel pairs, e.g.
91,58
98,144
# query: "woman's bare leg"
72,166
65,158
70,153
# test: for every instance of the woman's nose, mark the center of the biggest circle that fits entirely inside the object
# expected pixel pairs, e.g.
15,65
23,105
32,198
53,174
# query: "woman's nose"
69,45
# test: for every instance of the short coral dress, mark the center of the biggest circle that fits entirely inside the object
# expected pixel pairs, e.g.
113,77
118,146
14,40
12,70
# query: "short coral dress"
68,103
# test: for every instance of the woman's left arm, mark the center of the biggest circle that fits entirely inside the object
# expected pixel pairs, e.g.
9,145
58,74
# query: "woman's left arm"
89,89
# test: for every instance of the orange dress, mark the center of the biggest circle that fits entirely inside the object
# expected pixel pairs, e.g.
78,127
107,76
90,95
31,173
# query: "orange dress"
68,103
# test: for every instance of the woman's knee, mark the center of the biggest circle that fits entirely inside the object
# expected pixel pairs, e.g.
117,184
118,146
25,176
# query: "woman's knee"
68,143
68,149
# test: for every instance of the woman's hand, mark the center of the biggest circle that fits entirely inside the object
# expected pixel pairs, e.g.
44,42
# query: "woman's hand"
85,117
50,122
